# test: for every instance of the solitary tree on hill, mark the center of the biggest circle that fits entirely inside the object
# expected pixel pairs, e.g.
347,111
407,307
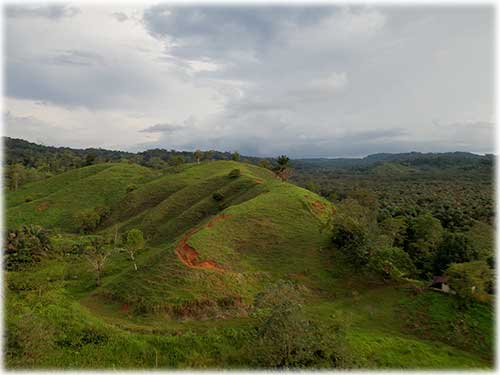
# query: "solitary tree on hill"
96,254
283,170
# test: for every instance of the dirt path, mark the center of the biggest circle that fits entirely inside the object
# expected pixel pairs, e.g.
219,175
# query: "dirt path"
189,256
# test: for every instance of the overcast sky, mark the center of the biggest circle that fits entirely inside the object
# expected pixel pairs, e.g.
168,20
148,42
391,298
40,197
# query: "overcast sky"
304,81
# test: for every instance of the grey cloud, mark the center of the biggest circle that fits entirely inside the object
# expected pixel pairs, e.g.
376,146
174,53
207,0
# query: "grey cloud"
162,128
216,31
53,12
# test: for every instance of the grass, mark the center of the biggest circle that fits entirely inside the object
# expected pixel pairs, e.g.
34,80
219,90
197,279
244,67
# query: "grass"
169,315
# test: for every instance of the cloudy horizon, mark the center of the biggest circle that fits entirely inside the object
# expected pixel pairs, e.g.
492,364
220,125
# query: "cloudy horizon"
306,81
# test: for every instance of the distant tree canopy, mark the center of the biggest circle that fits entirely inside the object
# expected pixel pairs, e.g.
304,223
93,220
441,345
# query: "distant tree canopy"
27,162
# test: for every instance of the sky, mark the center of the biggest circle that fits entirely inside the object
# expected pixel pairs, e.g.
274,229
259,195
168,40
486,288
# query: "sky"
306,81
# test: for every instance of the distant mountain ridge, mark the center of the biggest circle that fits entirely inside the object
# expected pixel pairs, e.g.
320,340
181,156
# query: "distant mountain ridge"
25,152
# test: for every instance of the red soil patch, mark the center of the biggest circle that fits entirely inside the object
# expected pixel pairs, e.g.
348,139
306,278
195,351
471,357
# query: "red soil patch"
189,256
319,206
42,206
125,307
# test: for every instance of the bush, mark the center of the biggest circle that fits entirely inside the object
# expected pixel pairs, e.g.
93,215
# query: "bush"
28,199
217,196
286,338
131,187
235,173
352,239
87,221
470,280
392,262
26,245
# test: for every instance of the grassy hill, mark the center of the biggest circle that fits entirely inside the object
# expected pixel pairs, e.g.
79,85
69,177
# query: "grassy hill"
214,241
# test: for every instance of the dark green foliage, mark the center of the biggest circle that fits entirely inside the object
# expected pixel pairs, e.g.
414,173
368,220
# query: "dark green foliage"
351,238
392,262
425,234
234,173
235,156
286,338
87,221
26,245
354,231
90,159
176,160
454,248
470,280
217,196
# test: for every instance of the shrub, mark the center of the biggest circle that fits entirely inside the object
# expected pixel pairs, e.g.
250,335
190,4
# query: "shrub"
26,245
28,199
217,196
235,173
392,262
87,221
285,338
352,239
469,280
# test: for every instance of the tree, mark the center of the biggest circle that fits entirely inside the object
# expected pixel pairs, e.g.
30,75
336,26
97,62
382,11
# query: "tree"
469,280
354,231
26,245
235,156
455,248
135,243
96,254
364,197
176,160
283,170
87,221
395,229
424,236
17,175
197,155
286,338
392,262
90,159
156,163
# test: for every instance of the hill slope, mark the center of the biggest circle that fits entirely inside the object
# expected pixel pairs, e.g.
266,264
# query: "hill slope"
214,241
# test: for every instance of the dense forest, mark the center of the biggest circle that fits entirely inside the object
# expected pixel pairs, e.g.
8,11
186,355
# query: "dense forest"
196,250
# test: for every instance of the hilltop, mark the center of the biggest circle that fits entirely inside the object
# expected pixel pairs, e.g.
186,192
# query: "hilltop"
198,215
217,235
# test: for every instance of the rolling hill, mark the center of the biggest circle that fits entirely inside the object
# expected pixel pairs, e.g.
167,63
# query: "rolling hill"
217,233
